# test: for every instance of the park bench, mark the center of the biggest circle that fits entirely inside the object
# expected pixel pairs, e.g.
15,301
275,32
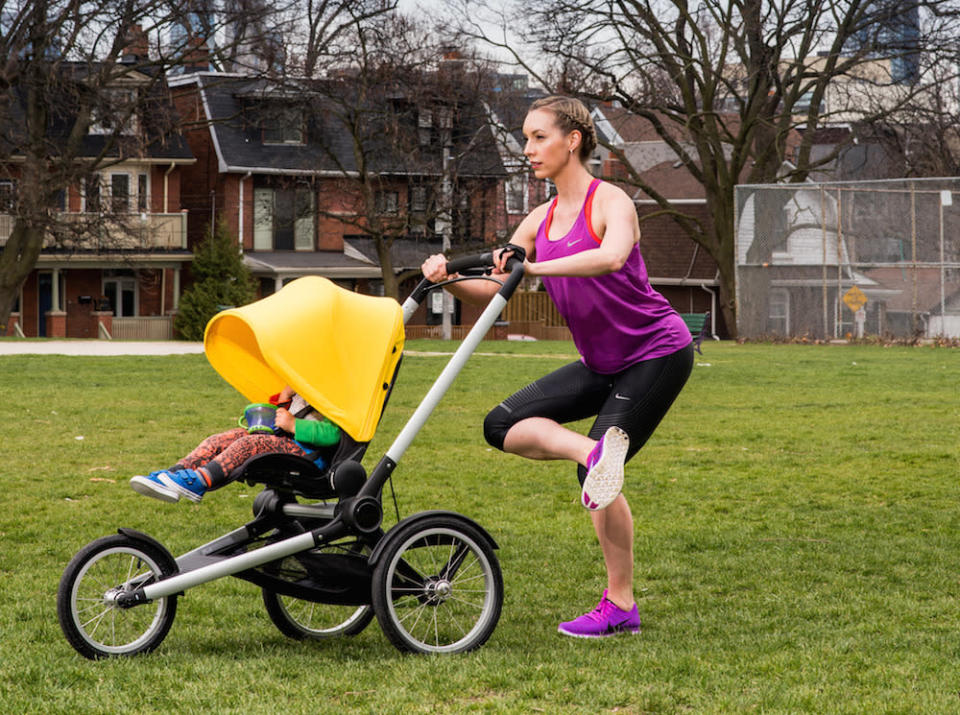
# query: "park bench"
697,325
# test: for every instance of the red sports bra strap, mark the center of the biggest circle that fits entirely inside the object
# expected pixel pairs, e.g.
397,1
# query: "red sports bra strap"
549,219
588,209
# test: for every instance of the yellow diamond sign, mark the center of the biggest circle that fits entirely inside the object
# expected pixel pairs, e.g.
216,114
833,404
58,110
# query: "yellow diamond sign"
855,299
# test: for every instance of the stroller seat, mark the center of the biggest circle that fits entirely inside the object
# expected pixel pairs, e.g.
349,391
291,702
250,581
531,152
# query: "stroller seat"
300,476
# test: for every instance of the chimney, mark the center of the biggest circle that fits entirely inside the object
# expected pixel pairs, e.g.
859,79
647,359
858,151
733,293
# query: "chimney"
136,45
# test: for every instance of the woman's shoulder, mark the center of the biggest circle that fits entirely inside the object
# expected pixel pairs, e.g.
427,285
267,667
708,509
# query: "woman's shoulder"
611,193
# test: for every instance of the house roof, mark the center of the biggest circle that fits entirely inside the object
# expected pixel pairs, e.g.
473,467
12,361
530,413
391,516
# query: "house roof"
906,282
358,259
238,109
331,264
159,137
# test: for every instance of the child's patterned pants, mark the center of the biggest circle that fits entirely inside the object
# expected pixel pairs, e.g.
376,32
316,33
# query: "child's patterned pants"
220,454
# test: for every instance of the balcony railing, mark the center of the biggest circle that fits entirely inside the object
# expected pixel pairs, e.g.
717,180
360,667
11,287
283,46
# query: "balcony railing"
107,234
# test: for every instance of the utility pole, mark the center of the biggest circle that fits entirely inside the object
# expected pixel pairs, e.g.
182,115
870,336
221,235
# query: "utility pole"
446,216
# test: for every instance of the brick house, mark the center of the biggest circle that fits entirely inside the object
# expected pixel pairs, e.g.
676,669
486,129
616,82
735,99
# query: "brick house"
111,264
677,266
309,176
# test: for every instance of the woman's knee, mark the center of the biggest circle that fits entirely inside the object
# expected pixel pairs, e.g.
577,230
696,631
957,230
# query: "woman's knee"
496,425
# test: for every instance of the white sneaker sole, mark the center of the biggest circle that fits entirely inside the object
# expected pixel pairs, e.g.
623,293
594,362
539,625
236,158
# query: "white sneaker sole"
180,491
150,488
604,481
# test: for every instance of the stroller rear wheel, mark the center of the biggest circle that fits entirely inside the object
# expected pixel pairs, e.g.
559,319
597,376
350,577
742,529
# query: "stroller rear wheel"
437,587
90,614
300,619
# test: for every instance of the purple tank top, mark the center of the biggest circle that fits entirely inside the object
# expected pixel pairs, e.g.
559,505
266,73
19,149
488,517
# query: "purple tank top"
616,319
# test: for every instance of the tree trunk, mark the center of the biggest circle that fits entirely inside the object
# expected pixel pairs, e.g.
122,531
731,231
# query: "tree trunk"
18,258
390,287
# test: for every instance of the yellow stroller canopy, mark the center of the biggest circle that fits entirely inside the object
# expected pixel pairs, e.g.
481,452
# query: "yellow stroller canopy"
339,350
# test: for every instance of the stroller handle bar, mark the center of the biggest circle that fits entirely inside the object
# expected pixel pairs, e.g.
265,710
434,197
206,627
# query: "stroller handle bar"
491,313
472,266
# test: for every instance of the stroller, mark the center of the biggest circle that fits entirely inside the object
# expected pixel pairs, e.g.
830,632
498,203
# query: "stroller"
315,545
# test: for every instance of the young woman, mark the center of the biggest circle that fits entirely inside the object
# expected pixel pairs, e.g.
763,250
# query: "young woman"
636,352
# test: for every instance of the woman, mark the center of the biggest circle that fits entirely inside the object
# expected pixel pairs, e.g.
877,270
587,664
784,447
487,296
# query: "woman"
636,351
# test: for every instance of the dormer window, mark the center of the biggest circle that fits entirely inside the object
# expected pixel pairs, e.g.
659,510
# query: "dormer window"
285,125
110,115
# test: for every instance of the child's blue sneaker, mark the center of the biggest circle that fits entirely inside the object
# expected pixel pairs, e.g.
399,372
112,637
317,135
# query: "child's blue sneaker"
151,486
189,483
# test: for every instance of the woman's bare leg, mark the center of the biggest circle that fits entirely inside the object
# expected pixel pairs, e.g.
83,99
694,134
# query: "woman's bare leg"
542,438
614,527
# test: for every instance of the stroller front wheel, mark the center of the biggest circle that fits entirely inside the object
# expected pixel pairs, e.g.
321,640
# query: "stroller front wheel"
437,587
91,617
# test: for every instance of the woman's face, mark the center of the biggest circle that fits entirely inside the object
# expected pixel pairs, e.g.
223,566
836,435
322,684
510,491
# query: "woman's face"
547,147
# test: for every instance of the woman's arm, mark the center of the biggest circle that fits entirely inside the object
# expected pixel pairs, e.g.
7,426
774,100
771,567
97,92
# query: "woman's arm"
615,216
479,292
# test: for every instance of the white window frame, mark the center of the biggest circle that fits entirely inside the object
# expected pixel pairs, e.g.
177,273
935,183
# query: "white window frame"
516,186
128,282
262,219
130,192
779,297
84,199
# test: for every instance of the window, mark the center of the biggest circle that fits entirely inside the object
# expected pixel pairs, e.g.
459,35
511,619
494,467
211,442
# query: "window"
8,196
283,219
779,316
388,202
143,203
284,125
110,114
418,199
91,194
516,193
120,193
425,126
120,290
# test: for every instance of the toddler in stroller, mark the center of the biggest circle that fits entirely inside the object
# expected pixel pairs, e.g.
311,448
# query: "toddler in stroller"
298,429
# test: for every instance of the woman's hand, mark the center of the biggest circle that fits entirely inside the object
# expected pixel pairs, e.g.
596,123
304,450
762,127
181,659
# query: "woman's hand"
434,269
285,421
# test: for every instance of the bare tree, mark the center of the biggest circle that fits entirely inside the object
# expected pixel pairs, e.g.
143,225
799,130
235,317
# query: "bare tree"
734,88
407,133
82,87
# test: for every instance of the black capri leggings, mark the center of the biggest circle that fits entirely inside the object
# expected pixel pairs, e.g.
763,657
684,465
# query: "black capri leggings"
635,400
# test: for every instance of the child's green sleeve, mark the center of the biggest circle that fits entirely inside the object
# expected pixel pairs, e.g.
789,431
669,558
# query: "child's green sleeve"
322,432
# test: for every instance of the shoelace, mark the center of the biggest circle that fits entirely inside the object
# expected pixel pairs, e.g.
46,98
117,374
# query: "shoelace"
600,613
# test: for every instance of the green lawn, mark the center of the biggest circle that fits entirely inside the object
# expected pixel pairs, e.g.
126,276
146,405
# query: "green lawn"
797,542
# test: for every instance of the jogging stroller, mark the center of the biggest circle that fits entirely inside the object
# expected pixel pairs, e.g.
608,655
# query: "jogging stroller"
315,545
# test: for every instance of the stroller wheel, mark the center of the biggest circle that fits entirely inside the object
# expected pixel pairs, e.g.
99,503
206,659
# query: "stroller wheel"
437,587
300,619
90,614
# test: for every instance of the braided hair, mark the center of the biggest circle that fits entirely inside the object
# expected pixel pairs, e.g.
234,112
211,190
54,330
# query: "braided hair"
571,114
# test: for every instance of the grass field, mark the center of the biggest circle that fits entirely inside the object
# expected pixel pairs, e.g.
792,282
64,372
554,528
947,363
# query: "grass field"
797,543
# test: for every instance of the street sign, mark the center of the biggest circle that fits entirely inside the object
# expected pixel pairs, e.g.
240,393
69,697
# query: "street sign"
854,299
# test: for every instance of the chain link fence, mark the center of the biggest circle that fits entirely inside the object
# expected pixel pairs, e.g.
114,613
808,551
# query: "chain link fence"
849,259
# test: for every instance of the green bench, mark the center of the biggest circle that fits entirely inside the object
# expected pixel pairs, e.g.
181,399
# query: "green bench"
697,325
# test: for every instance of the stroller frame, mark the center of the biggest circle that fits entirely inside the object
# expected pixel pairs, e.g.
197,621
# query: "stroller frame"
341,554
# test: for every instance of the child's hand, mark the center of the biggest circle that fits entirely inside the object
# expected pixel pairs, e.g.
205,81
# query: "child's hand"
285,421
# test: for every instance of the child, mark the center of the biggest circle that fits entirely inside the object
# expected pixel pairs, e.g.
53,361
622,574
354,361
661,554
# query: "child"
301,430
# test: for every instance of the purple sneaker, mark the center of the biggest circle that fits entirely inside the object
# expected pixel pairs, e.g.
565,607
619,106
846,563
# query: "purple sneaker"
607,619
605,470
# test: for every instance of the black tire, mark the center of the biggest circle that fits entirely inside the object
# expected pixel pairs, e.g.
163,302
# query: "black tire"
300,619
90,617
437,587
